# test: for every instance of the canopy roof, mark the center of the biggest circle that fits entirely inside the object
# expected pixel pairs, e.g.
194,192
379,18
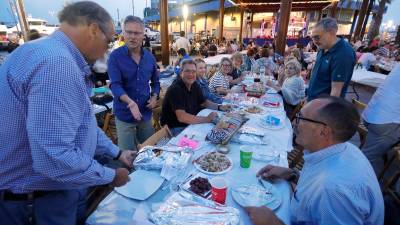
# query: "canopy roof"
273,5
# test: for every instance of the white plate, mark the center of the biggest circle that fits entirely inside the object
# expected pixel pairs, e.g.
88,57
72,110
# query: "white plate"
142,185
255,195
213,173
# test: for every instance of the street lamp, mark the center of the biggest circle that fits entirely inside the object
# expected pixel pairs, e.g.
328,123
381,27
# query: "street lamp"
185,12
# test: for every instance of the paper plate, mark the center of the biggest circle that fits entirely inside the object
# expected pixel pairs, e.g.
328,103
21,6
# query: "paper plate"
142,185
256,196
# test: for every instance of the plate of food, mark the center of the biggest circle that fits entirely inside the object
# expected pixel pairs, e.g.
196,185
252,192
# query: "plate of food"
254,109
199,185
213,163
253,195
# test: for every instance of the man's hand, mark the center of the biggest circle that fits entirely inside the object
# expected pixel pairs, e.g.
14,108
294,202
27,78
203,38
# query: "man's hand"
127,157
270,172
121,177
211,117
225,108
263,216
133,107
152,102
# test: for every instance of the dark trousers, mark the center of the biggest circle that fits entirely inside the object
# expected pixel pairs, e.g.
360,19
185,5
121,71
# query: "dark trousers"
65,207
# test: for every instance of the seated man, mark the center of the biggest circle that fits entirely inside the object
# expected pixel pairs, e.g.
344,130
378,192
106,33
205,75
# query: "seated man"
184,99
182,55
337,184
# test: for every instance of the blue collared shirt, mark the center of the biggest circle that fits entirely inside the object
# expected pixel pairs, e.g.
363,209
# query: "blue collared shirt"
337,185
49,133
384,106
335,65
128,77
203,83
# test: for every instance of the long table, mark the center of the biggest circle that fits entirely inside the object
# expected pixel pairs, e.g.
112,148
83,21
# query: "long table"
116,209
368,78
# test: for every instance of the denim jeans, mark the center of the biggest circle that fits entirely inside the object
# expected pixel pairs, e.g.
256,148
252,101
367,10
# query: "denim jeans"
132,134
66,207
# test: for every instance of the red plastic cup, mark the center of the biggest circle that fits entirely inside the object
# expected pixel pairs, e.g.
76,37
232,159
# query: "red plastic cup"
219,188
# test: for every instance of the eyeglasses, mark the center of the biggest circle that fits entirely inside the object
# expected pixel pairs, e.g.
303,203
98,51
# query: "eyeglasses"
110,41
290,68
226,65
132,33
316,37
298,117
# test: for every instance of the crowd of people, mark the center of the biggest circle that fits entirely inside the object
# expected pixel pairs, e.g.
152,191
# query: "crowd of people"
48,115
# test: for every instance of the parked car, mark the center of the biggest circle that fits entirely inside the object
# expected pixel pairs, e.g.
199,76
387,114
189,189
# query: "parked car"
3,37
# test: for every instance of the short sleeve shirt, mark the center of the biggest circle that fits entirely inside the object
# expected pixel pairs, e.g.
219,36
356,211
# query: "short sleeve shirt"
178,97
335,65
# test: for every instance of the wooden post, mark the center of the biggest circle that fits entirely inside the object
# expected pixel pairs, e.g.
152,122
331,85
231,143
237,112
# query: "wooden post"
22,19
285,8
361,18
241,24
334,9
221,19
164,31
319,15
251,25
355,15
371,4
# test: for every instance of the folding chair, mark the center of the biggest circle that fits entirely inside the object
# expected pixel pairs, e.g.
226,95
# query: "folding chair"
163,135
361,129
296,110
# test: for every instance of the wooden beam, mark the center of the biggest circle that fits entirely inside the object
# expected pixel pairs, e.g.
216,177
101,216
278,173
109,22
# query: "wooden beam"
164,32
371,4
361,18
241,24
334,9
22,19
286,6
221,19
353,24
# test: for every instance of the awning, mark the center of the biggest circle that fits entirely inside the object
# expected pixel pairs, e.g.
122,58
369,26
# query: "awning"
202,7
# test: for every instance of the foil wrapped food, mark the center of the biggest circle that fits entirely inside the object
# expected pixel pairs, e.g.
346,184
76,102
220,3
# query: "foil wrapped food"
183,208
155,158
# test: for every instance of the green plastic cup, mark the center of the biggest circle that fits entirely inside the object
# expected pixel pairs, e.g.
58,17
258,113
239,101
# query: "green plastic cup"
245,156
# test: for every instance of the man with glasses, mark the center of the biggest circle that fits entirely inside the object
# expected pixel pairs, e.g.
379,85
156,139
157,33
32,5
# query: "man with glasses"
184,99
335,62
49,133
135,85
337,185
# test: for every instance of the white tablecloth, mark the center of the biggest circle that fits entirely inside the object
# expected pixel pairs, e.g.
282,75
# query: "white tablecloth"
368,78
214,60
116,209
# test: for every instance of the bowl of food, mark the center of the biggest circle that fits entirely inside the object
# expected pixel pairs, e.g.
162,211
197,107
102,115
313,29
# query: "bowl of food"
213,163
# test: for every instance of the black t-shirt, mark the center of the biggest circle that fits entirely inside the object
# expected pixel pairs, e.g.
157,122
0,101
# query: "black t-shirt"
179,97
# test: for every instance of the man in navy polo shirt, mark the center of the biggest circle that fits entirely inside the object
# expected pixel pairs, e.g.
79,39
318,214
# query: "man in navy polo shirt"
335,61
135,85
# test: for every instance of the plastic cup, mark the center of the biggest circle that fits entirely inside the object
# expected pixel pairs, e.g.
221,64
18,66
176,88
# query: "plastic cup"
219,188
246,154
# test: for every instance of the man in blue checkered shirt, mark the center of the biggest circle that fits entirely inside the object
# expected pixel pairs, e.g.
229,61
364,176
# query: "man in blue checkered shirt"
49,133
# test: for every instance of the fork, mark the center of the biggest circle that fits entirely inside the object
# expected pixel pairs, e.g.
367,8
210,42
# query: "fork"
263,185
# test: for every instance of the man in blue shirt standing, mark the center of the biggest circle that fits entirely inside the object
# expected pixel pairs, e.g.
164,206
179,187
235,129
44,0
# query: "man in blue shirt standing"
337,184
49,132
335,63
133,70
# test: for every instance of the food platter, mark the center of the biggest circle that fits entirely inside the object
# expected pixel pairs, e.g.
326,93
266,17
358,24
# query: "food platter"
213,163
254,109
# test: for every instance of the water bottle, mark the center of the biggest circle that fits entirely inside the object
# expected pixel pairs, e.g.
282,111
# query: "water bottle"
262,71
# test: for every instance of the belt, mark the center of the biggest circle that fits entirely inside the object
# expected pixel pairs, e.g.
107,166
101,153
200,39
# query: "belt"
6,195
